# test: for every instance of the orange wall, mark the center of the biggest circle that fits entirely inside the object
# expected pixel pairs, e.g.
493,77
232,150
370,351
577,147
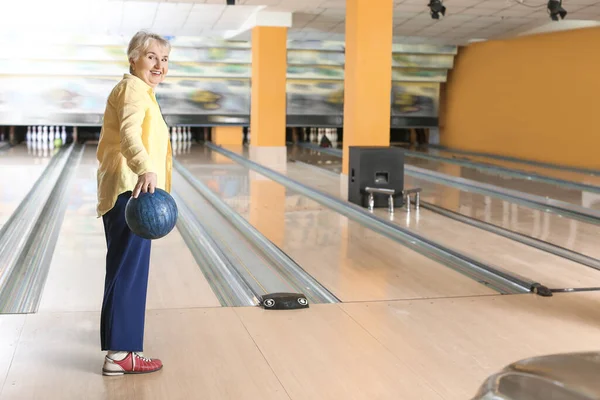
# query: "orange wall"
534,97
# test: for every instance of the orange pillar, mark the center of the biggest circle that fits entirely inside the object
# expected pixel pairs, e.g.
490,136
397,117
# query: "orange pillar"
368,74
227,135
269,70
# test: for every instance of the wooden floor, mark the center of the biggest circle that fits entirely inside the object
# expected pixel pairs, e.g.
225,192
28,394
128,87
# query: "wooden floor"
408,328
418,349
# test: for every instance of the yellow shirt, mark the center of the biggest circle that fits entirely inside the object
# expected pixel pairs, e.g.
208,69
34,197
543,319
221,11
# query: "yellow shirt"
134,140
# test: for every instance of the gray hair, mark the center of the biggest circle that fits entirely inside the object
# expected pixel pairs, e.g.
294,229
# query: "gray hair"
140,42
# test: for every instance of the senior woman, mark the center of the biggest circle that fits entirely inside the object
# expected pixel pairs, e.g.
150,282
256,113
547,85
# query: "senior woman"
134,152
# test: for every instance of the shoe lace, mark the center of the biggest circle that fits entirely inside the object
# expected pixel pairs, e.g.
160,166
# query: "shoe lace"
142,357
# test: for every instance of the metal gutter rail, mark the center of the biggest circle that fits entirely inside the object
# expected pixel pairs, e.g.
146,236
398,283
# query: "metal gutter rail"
16,231
293,274
517,237
229,287
500,280
22,290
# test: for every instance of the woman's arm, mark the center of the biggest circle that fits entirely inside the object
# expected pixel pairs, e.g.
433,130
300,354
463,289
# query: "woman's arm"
132,111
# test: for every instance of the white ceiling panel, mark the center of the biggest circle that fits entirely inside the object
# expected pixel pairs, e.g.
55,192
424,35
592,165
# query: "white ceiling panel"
170,17
138,16
464,20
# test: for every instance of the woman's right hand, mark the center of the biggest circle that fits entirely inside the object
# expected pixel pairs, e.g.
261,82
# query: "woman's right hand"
146,183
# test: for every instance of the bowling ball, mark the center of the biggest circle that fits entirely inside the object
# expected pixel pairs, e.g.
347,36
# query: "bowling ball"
151,215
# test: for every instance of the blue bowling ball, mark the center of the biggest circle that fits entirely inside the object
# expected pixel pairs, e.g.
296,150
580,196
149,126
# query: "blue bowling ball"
151,215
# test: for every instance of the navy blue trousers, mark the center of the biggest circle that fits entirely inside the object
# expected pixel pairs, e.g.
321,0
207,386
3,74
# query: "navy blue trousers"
126,283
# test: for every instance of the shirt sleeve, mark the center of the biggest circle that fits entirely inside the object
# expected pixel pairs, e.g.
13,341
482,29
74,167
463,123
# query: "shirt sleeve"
131,110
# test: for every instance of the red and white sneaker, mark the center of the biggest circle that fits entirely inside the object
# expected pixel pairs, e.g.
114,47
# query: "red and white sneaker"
133,363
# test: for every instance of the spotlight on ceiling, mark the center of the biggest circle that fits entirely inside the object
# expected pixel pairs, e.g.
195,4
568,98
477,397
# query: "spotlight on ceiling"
555,10
438,8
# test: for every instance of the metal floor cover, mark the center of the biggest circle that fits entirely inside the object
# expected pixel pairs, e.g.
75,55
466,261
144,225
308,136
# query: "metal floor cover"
554,377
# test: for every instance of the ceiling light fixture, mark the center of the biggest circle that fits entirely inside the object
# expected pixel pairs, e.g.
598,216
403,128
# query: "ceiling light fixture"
438,8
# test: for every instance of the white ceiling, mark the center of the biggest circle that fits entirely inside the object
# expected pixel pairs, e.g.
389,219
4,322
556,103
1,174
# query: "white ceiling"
465,20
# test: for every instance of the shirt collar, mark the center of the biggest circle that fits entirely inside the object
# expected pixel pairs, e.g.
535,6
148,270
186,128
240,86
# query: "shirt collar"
140,83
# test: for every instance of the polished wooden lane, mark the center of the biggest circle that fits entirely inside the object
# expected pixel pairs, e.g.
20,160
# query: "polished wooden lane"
564,232
568,195
175,279
353,262
18,173
548,269
557,172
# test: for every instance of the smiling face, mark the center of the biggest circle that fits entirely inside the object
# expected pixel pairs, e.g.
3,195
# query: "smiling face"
152,66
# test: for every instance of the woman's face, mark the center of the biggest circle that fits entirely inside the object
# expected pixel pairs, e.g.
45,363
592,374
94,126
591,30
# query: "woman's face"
152,67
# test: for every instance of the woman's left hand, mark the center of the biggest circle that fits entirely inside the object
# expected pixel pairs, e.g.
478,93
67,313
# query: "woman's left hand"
146,183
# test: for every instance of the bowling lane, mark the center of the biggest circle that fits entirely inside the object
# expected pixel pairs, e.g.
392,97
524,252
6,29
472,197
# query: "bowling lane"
353,262
19,170
76,276
553,172
564,232
568,195
550,270
572,196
